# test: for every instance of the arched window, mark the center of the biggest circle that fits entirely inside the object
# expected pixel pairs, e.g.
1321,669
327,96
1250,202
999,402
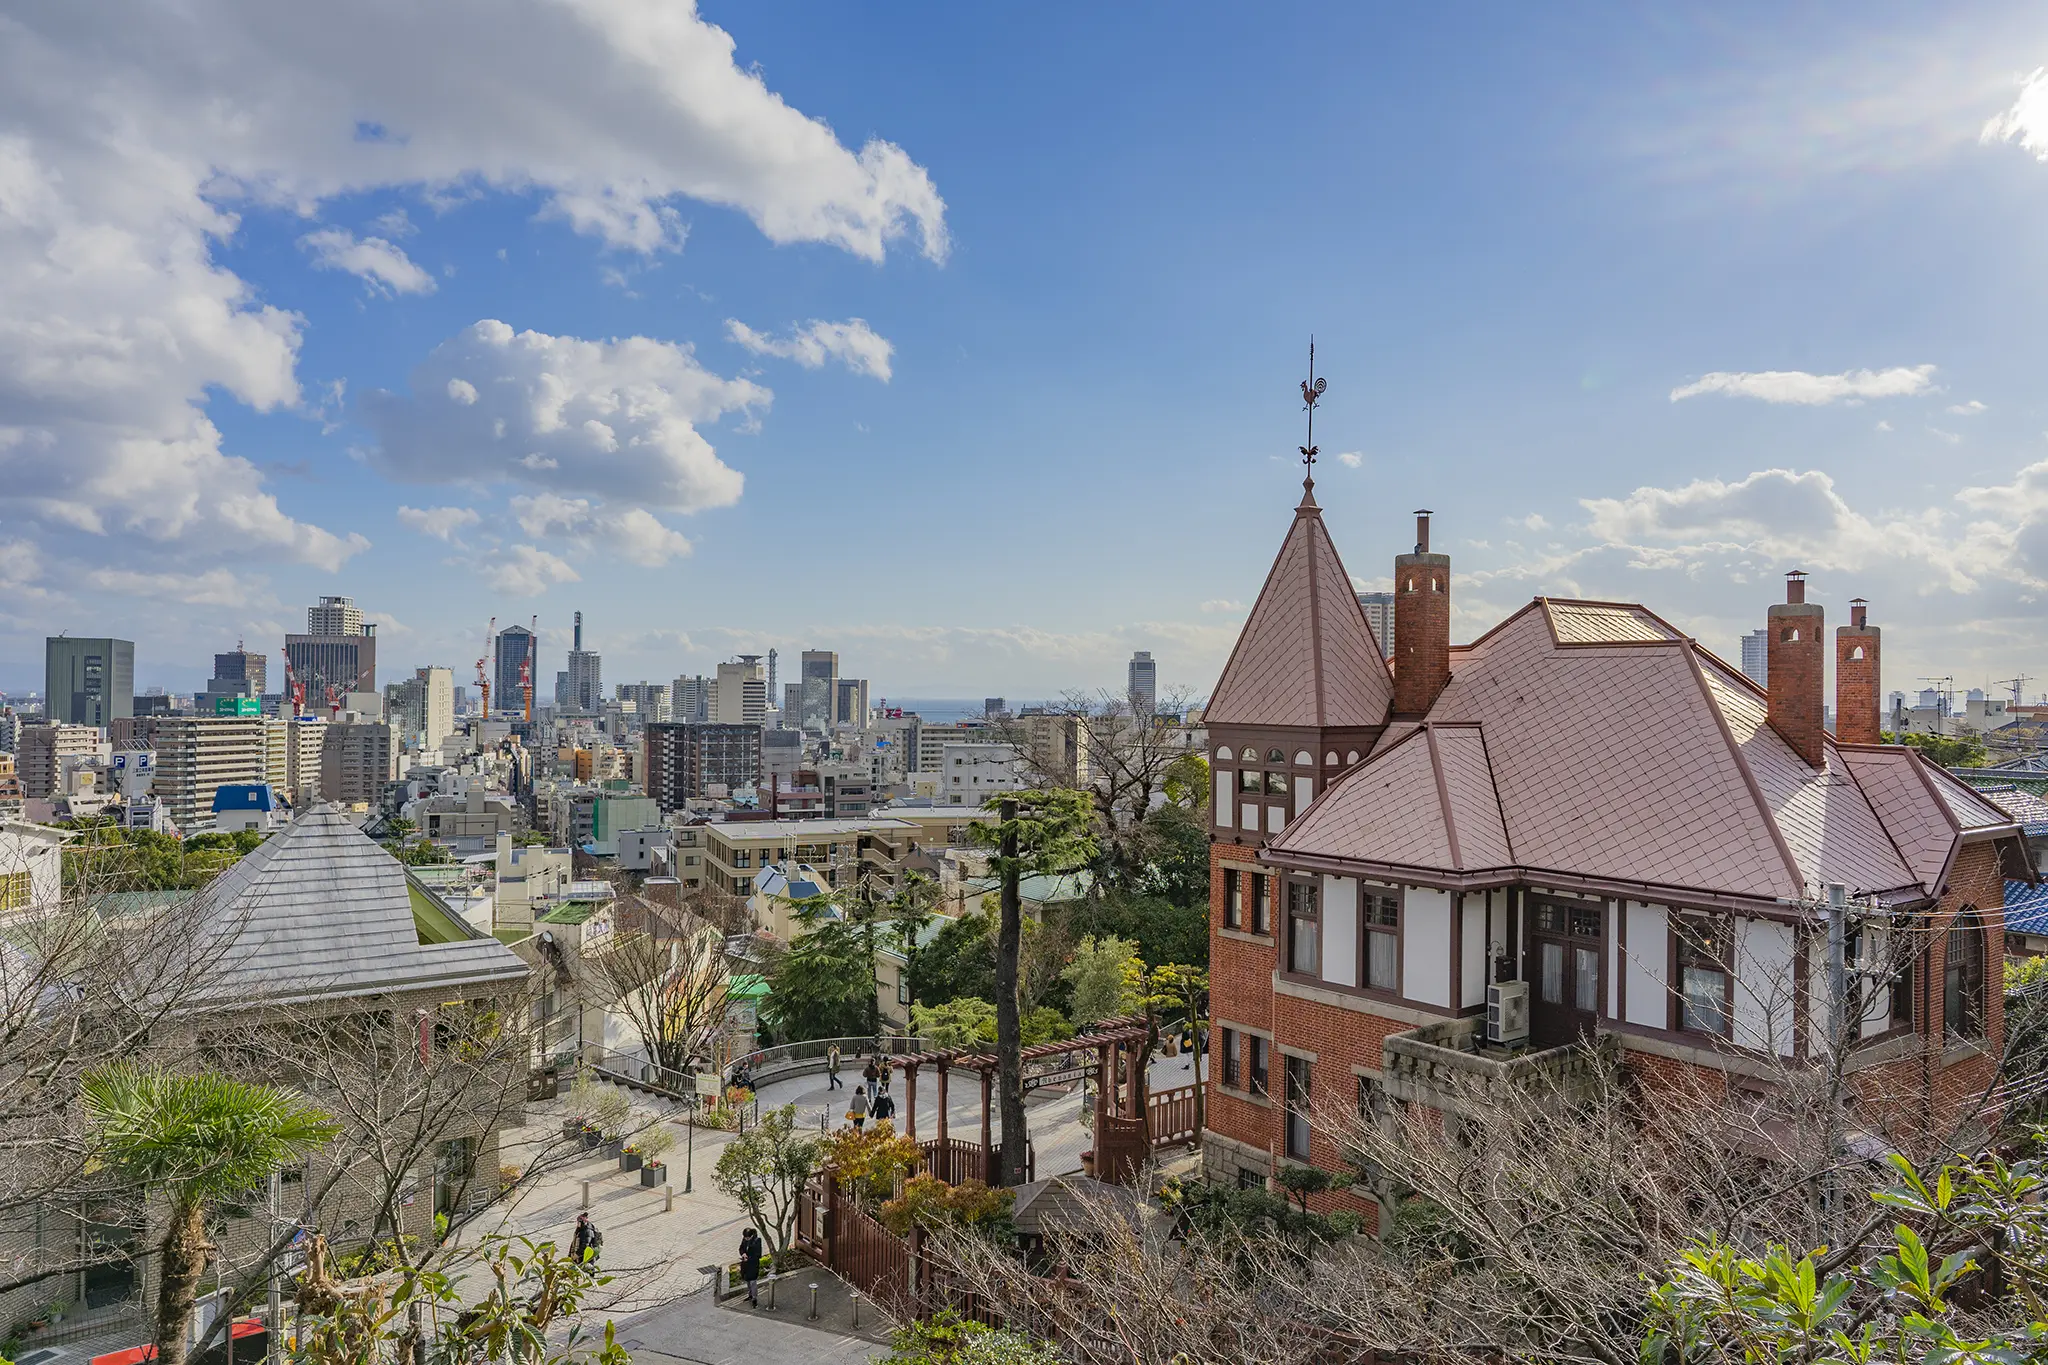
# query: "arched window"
1962,977
1351,757
1435,583
1304,759
1330,759
1856,653
1223,754
1276,755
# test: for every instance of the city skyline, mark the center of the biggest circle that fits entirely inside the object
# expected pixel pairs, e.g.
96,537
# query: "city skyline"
1620,296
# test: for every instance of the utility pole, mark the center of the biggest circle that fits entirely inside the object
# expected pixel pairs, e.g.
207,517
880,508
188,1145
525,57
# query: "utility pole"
1838,1036
274,1298
1943,696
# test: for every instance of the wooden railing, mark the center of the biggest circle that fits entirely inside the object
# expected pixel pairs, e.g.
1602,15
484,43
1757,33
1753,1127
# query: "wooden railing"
872,1259
955,1159
1170,1116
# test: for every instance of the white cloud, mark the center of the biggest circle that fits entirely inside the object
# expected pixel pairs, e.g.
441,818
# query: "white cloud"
213,588
1351,459
525,570
1221,606
128,149
439,522
2026,122
1797,386
396,223
1952,437
852,343
608,418
1969,409
1883,425
1535,521
380,264
634,534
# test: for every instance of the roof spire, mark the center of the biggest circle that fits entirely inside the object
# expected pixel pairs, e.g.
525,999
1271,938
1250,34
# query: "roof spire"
1311,389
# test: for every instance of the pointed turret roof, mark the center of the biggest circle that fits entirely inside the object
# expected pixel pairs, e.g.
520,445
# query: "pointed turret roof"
319,910
1306,656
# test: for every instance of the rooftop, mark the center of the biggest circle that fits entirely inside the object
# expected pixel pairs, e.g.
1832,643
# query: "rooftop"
795,831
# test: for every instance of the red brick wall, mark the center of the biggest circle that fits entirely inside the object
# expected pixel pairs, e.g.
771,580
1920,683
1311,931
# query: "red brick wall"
1797,668
1856,685
1240,993
1422,630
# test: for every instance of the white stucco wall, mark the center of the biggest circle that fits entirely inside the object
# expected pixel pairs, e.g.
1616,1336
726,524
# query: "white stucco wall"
1340,930
1645,965
1473,970
1763,985
1426,946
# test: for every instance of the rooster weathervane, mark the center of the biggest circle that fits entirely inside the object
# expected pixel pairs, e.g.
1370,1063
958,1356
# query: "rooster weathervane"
1311,389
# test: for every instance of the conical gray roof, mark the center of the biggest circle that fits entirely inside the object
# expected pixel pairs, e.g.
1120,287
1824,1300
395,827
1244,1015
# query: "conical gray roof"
319,910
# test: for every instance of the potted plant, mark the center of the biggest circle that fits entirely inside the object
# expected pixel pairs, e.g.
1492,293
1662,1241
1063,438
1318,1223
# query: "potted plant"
629,1157
610,1112
592,1135
58,1308
582,1100
654,1144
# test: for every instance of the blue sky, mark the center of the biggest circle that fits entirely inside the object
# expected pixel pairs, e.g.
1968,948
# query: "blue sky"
1645,303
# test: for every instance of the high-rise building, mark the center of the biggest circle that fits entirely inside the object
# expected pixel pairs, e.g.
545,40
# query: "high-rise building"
742,695
991,707
338,651
821,689
793,705
652,702
1143,685
356,762
242,666
1379,614
1756,657
42,751
772,657
516,645
690,699
195,755
850,707
685,761
88,681
422,708
584,677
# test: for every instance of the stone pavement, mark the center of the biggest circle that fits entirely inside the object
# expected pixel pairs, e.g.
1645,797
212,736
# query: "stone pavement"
697,1331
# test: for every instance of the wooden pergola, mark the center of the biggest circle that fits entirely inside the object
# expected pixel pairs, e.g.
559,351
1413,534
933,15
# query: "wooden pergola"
1119,1048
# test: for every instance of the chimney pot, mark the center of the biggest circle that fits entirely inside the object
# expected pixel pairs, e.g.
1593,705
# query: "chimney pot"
1795,586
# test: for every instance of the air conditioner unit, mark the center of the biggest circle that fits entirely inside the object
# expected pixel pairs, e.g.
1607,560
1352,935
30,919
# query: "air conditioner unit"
1507,1012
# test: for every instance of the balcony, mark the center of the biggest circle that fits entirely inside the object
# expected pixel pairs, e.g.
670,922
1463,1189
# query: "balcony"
1449,1066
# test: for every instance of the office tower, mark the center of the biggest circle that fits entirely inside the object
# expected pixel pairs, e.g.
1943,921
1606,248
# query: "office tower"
850,707
561,689
793,705
1144,684
1756,657
690,699
772,656
651,701
585,676
992,707
685,761
338,651
422,708
88,681
821,689
242,666
197,754
1379,614
516,645
355,762
42,750
742,695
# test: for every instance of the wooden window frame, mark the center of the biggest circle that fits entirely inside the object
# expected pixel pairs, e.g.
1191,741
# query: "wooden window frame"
1258,1071
1233,898
1297,1096
1232,1066
1959,993
1262,908
1371,906
1694,950
1304,908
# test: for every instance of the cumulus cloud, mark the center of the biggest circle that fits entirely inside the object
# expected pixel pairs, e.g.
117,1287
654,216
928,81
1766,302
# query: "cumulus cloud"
525,570
633,534
614,419
1220,605
128,150
1797,386
378,263
1351,459
439,522
852,343
213,588
2026,121
1969,409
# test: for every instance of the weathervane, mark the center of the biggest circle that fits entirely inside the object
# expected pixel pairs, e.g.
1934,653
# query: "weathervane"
1311,389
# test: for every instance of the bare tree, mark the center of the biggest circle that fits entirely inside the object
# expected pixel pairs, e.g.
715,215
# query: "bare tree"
669,979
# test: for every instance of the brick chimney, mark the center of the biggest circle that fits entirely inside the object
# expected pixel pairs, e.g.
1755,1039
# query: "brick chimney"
1422,624
1856,678
1798,667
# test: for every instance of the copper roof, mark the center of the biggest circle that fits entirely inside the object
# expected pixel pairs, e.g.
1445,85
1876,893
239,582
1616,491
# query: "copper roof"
1593,741
1306,656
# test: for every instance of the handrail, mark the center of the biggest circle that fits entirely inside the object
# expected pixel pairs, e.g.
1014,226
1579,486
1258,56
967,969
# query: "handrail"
768,1062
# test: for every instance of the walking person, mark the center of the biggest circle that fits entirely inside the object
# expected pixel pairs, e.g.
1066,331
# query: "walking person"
871,1076
858,1114
750,1263
586,1243
888,1067
884,1107
832,1081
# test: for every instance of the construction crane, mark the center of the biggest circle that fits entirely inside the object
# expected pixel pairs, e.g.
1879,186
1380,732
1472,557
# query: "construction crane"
526,667
294,690
483,679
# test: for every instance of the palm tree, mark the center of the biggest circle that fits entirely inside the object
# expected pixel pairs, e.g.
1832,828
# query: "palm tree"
196,1141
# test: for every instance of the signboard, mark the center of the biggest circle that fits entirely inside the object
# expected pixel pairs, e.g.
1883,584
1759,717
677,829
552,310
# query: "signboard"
708,1086
238,706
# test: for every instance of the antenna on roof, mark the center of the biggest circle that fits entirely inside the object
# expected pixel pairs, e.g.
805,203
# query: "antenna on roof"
1311,389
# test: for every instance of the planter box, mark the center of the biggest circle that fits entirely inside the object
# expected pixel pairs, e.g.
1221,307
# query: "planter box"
654,1173
629,1161
572,1129
611,1148
591,1138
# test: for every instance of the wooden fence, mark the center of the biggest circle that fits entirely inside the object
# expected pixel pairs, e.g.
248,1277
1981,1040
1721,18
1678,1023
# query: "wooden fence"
1170,1116
872,1259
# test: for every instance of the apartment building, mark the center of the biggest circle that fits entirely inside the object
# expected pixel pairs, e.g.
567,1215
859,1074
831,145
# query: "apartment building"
195,755
43,750
688,760
356,762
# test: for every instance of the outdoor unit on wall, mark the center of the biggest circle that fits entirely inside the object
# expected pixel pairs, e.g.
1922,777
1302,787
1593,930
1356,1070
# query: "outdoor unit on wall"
1507,1012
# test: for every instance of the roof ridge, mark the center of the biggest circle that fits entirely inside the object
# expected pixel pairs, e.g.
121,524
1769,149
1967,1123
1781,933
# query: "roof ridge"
1756,792
1493,781
1882,823
1443,796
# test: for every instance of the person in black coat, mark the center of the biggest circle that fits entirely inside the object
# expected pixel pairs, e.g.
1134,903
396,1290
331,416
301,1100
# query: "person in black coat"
750,1263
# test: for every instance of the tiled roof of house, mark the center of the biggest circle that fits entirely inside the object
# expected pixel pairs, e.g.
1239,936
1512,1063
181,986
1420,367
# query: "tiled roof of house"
2026,907
320,910
2027,810
1592,740
1306,656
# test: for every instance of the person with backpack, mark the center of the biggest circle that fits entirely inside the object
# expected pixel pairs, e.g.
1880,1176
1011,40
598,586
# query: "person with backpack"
871,1077
884,1107
586,1244
888,1066
750,1263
